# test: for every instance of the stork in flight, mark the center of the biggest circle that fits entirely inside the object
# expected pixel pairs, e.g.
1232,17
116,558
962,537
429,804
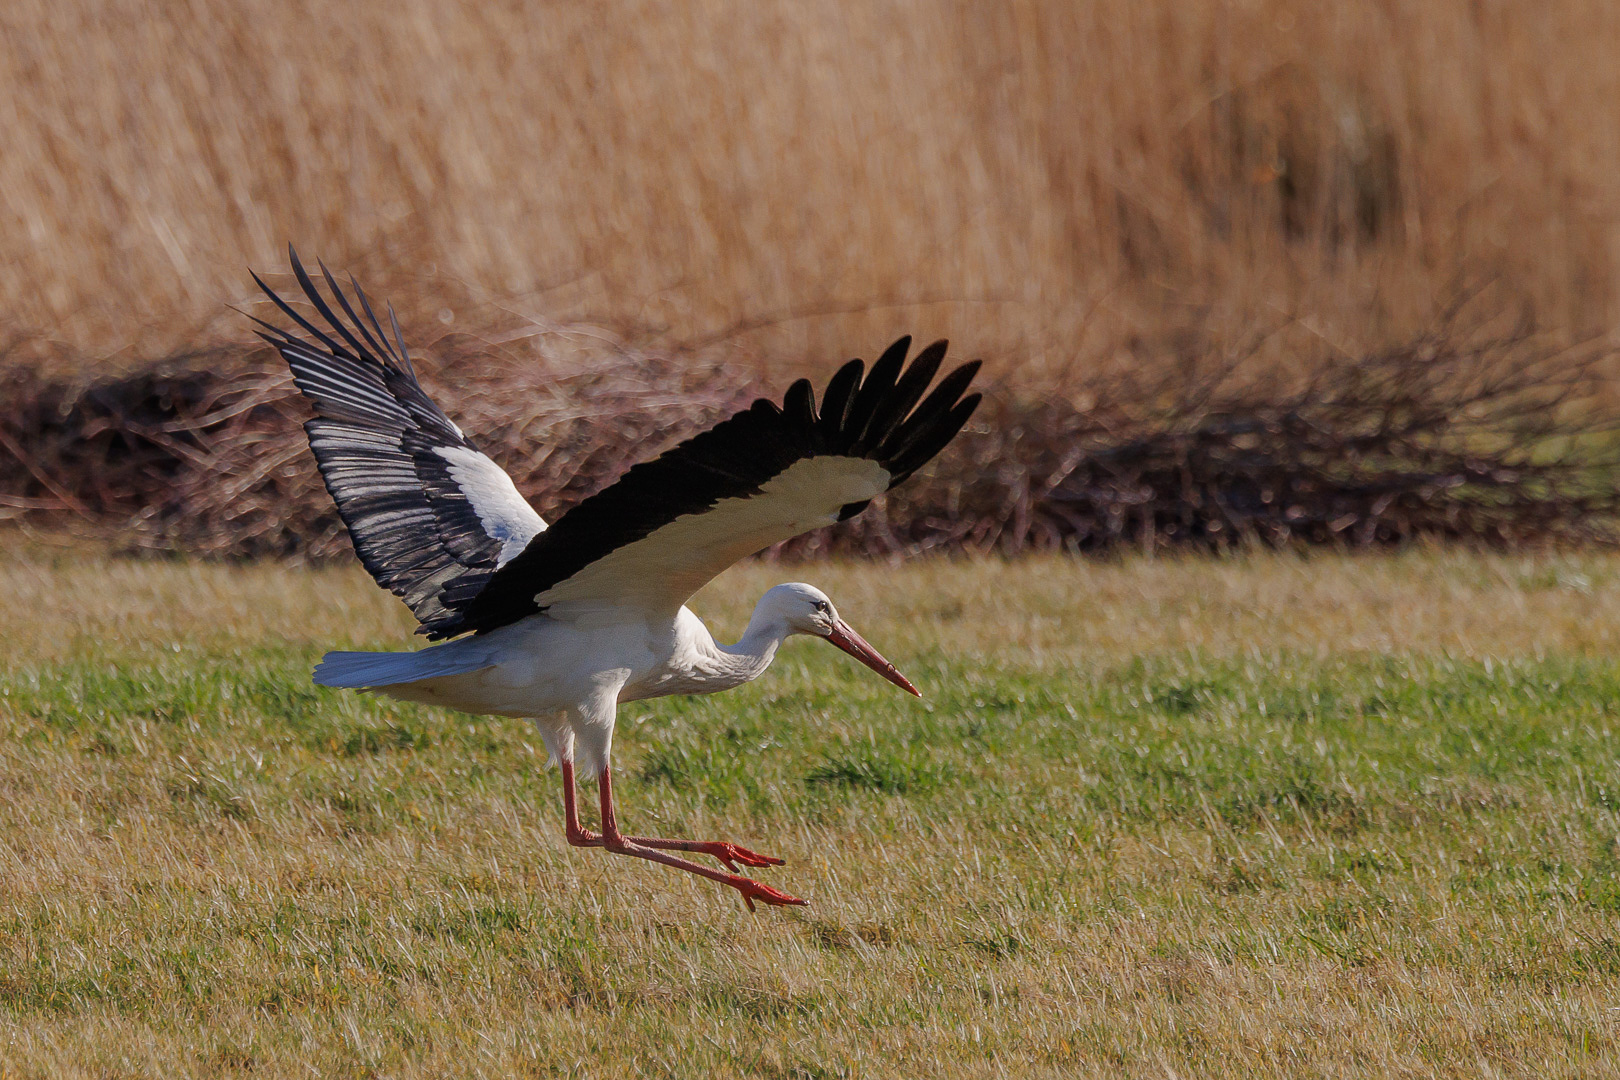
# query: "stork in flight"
567,622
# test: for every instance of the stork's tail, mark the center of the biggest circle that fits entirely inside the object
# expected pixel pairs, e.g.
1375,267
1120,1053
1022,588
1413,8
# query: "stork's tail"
371,670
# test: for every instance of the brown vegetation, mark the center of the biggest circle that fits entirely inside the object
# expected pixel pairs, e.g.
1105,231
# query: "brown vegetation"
1042,182
1491,440
1210,251
206,454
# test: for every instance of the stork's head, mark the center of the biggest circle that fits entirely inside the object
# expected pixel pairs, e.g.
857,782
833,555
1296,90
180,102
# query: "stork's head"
805,609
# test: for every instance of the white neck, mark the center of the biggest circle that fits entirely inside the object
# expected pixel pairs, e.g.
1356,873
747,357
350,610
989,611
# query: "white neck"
754,651
701,665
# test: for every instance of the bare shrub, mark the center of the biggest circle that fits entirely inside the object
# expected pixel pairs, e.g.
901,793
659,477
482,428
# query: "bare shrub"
1496,439
205,453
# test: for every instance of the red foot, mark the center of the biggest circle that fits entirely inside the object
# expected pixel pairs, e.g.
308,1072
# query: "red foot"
753,890
657,849
731,854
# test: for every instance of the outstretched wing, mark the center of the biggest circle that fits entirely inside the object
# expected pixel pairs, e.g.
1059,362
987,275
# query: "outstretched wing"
668,526
426,510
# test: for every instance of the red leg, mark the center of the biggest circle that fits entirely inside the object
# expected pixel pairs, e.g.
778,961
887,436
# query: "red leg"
577,836
620,844
728,854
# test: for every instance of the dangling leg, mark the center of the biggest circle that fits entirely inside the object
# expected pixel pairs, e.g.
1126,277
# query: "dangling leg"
729,854
577,836
641,848
591,724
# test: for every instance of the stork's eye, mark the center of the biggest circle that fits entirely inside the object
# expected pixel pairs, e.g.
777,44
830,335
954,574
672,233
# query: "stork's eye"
823,607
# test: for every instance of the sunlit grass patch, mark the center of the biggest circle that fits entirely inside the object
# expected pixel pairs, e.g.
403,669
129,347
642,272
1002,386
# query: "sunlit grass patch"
1063,859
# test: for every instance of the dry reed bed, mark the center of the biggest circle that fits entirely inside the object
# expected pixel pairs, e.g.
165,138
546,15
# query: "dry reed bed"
1046,181
1105,200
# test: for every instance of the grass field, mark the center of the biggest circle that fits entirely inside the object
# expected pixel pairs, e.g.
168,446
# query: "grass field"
1268,816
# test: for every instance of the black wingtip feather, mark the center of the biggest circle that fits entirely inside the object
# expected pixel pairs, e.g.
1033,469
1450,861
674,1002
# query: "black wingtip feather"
893,358
399,340
365,305
877,387
799,403
926,415
840,395
936,439
799,406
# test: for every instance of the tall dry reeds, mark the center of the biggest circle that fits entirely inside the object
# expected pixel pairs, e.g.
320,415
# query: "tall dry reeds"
1109,201
1043,181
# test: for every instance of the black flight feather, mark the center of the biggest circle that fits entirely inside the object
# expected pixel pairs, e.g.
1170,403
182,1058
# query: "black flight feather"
377,438
734,459
839,397
878,386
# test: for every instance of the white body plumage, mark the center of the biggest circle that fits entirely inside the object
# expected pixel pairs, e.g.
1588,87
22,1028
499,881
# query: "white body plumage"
569,675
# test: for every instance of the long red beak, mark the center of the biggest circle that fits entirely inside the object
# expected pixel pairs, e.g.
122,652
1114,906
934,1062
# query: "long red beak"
852,643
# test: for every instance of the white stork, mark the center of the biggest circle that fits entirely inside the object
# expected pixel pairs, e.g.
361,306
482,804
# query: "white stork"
568,621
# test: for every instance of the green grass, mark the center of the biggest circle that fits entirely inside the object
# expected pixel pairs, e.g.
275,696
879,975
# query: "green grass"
1221,856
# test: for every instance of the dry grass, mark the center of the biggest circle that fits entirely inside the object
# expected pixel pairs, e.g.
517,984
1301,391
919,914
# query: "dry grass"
64,603
1043,182
1254,817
